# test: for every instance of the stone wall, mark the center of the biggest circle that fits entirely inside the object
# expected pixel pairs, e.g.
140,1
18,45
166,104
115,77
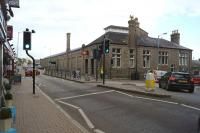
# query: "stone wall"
77,61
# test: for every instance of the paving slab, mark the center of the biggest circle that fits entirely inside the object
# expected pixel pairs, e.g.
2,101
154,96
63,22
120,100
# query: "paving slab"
37,114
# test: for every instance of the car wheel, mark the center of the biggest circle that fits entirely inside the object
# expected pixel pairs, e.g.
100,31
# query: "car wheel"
159,85
198,125
167,87
191,90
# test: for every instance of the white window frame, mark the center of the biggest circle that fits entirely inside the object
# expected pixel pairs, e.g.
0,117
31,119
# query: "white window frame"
172,67
116,55
131,58
183,59
146,58
163,58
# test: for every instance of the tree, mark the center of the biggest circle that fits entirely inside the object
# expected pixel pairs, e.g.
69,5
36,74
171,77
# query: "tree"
19,61
29,62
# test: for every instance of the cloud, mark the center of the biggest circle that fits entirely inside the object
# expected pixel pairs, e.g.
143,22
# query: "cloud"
52,19
183,7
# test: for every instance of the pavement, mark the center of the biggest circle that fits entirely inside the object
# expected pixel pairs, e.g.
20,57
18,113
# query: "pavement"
39,114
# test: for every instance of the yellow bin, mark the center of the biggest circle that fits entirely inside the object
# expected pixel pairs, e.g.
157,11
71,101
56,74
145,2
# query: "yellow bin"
150,81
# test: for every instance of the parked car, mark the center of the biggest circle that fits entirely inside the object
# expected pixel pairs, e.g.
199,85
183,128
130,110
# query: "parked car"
198,125
177,80
196,79
29,72
158,74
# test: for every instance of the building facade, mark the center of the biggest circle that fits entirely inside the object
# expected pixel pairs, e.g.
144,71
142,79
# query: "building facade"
131,53
7,53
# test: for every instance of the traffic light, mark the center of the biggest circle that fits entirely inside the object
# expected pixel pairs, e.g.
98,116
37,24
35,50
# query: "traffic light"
27,40
107,43
95,54
100,49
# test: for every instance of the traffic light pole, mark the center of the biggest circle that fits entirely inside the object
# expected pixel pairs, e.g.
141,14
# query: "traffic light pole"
33,70
104,60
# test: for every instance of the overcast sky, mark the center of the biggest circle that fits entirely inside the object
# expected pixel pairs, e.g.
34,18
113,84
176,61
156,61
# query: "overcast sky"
86,19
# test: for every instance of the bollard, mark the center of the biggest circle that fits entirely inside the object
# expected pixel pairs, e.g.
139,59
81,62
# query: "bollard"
150,82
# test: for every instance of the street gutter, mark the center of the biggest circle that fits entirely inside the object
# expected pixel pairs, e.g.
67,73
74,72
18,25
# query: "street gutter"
136,91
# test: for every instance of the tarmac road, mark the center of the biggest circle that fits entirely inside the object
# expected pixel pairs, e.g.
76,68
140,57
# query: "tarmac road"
102,110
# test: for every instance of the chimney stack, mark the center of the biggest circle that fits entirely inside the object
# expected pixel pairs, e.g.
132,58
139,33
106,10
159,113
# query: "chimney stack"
175,37
133,31
68,42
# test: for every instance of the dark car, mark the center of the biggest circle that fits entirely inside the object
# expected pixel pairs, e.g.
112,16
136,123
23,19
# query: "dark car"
198,125
177,80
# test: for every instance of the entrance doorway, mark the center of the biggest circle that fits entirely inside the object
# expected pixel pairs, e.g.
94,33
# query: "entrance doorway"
92,66
86,65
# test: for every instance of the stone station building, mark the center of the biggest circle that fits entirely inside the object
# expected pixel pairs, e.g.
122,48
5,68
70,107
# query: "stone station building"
131,53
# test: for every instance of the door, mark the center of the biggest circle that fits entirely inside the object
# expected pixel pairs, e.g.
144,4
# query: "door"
92,66
86,65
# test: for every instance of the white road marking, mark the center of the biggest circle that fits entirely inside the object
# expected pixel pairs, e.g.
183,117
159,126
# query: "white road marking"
124,93
98,131
40,84
190,107
96,93
65,113
73,106
158,100
87,120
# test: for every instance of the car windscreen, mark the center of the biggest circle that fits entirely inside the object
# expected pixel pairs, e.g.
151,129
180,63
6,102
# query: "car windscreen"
181,76
196,76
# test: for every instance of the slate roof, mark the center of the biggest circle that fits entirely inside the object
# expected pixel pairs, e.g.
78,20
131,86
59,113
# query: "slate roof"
153,42
122,39
116,27
195,63
114,37
58,54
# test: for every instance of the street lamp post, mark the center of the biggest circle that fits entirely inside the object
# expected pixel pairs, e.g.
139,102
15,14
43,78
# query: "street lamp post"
18,43
83,52
18,47
158,43
49,62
